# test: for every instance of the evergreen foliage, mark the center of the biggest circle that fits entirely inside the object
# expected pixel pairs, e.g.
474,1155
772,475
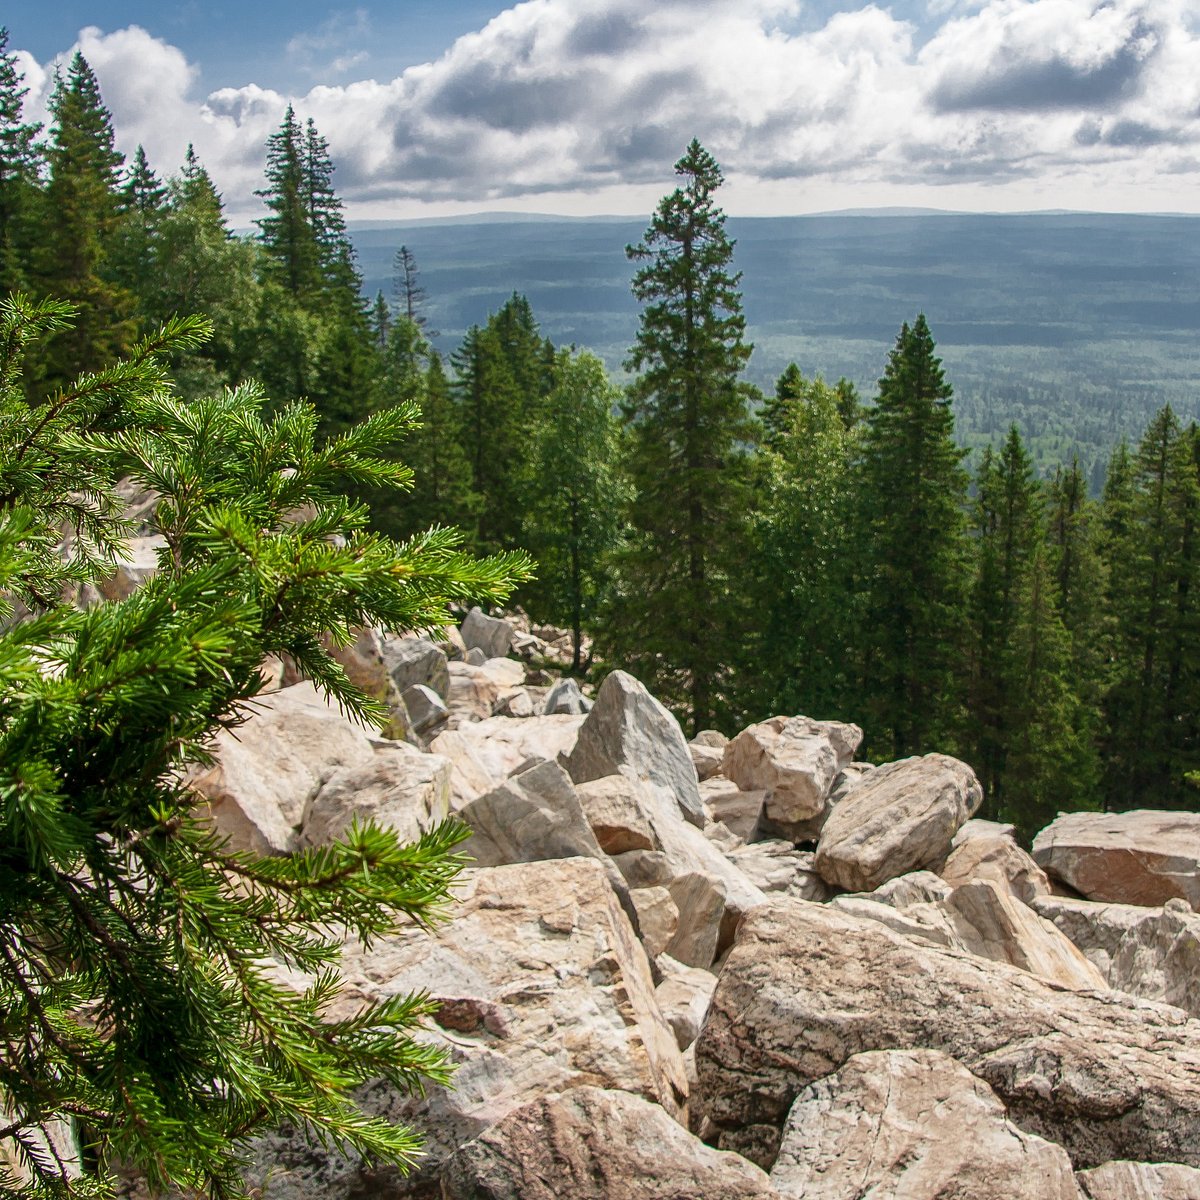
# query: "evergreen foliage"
137,993
19,168
676,621
912,489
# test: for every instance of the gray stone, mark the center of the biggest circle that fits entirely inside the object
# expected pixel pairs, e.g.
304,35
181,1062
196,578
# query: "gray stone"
491,635
413,661
566,698
629,733
900,818
426,709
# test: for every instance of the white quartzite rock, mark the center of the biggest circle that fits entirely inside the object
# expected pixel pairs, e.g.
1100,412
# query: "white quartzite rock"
542,987
901,817
413,660
683,997
491,635
1149,952
1139,857
477,688
399,788
1140,1181
587,1144
615,814
912,1125
267,769
1000,859
795,760
629,733
806,987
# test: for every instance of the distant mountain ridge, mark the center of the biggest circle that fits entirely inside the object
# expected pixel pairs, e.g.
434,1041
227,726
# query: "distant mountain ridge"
1075,325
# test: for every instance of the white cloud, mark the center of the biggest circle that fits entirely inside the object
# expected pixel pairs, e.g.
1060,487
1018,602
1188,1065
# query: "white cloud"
586,103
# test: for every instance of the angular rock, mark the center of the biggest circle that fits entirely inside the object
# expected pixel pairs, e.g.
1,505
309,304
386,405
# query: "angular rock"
1139,857
416,661
900,818
629,733
805,987
485,753
989,923
912,1123
917,887
588,1144
514,703
1153,953
683,996
566,698
778,867
739,810
658,918
1140,1181
491,635
267,769
795,760
706,759
997,858
542,987
476,688
614,811
399,788
364,664
475,657
426,709
137,563
700,900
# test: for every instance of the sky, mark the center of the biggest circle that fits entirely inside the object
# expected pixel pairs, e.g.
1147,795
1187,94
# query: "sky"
580,107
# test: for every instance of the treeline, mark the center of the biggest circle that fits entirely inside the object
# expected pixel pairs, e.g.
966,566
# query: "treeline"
802,552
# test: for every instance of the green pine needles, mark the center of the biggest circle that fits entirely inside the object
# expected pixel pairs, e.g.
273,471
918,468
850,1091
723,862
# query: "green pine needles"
143,1021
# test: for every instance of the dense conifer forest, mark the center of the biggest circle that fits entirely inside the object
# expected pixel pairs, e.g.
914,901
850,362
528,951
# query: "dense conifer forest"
809,550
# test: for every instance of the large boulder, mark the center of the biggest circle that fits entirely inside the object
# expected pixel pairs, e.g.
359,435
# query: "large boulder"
476,689
491,635
399,788
617,814
628,732
589,1144
413,661
1149,952
806,987
1140,1181
777,866
901,817
913,1124
565,698
1140,857
989,923
267,770
996,857
795,760
484,753
541,987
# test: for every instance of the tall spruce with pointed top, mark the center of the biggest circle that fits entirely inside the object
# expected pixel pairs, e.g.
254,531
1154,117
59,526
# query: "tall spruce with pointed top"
676,620
18,172
138,1001
912,492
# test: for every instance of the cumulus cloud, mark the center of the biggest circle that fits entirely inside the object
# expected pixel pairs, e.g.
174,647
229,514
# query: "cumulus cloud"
553,98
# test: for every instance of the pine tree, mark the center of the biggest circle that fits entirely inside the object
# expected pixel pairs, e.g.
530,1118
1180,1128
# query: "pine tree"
19,169
576,496
287,233
381,321
799,646
136,993
911,489
676,620
80,215
143,202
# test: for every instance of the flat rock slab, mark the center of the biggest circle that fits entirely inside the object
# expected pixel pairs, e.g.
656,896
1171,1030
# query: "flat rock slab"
912,1125
1140,1181
1140,857
900,818
805,987
589,1144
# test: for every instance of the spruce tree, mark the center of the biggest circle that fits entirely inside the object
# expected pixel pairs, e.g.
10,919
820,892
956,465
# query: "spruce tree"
287,233
408,292
675,621
912,492
575,498
139,997
80,215
142,204
19,169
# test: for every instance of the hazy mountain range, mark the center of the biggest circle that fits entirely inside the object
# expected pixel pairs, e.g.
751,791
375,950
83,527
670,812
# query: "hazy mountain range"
1076,325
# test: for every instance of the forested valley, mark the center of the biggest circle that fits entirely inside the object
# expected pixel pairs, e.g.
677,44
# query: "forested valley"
810,550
